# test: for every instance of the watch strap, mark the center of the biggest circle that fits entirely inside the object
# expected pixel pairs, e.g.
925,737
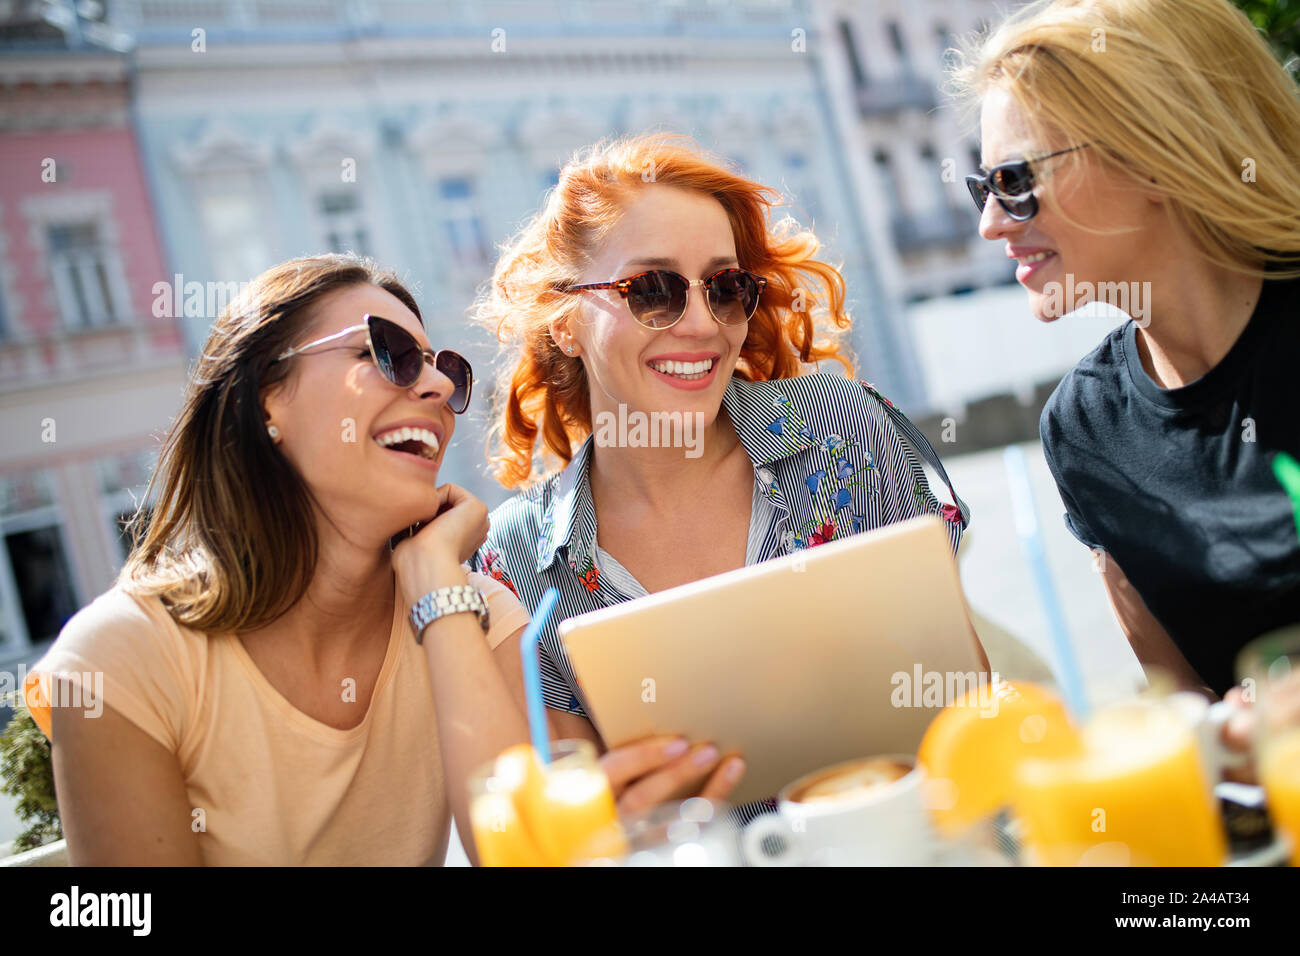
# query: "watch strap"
456,599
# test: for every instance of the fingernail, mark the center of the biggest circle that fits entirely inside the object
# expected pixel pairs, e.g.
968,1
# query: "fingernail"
735,768
676,748
706,756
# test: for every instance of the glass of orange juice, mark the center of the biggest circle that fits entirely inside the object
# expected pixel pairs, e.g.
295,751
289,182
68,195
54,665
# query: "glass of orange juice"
1136,794
1269,668
527,813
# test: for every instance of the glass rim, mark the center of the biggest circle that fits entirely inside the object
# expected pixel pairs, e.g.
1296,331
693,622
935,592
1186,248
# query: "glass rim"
571,746
1258,658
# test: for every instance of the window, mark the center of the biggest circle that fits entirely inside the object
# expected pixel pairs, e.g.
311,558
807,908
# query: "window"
44,580
237,246
889,183
343,221
80,270
896,40
931,164
124,480
851,53
461,223
121,521
37,591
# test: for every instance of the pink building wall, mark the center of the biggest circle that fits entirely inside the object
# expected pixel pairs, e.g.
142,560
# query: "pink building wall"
85,160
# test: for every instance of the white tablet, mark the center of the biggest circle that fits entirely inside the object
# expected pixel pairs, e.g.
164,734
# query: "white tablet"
844,650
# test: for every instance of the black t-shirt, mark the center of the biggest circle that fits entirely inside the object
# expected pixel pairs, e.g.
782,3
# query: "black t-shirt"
1177,484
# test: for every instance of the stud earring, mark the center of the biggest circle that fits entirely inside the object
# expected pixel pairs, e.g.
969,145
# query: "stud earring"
569,350
273,432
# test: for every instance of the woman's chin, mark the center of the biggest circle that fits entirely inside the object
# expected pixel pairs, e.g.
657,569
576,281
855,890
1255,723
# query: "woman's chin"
1040,307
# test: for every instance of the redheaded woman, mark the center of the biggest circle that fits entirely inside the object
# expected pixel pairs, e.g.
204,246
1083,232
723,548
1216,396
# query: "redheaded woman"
652,291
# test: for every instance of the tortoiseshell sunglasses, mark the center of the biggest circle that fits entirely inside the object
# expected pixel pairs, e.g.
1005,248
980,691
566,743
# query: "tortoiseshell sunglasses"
657,299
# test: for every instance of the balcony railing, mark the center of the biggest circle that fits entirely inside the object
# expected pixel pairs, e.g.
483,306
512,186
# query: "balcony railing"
106,348
944,226
895,94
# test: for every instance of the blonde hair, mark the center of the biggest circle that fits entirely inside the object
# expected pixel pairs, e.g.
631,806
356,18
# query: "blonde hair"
1184,96
544,392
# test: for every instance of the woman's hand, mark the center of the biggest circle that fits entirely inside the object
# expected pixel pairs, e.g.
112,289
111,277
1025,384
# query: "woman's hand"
1240,730
431,558
667,768
1237,734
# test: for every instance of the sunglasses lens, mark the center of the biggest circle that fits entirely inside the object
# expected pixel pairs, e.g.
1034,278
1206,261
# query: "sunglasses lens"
657,299
978,191
456,368
733,296
1020,209
1012,179
402,361
397,352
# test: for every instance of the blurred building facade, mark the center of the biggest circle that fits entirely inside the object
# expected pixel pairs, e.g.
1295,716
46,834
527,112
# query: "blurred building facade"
157,153
424,133
88,375
909,150
986,364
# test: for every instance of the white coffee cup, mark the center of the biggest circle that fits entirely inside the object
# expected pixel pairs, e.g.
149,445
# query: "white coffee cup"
847,815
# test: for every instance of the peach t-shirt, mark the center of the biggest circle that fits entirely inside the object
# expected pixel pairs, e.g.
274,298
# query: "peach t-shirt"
276,786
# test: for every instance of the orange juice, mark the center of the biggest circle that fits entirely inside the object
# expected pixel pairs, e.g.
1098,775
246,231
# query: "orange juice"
971,749
499,833
1135,796
526,813
576,802
1279,771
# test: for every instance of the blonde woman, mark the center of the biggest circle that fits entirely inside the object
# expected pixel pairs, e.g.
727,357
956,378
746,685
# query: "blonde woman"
1148,151
264,697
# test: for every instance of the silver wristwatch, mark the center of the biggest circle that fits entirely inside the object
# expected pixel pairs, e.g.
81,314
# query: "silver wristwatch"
449,600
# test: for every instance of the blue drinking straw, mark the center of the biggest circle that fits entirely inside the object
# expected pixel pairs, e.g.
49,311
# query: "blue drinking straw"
1031,540
533,674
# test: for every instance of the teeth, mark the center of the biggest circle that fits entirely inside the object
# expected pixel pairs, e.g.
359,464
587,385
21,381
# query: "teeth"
427,439
684,369
1036,257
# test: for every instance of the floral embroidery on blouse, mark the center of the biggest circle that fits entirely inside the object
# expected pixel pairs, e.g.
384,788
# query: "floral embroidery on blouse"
951,513
828,486
770,487
876,392
790,427
490,559
589,575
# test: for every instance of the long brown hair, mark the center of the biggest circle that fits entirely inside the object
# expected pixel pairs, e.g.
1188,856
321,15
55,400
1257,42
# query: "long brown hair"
543,393
230,543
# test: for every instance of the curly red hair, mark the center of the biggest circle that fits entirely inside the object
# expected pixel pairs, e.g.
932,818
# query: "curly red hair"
546,391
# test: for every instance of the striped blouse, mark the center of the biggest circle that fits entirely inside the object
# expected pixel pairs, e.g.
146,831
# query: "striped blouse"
831,457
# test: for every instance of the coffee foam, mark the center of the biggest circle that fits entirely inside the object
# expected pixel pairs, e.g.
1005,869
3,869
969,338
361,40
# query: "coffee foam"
849,780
